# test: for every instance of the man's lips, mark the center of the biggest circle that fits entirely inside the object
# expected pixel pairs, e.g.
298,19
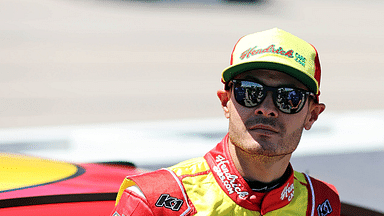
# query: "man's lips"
265,128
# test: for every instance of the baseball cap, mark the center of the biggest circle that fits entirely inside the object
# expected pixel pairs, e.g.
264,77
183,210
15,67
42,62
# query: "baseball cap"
276,49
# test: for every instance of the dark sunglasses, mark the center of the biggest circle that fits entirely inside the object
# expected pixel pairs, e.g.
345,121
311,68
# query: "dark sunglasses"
286,99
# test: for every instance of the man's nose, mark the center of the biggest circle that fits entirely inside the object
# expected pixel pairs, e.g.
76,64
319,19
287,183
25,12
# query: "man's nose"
267,108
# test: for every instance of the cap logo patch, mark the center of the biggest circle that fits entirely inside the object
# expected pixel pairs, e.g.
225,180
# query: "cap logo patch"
271,49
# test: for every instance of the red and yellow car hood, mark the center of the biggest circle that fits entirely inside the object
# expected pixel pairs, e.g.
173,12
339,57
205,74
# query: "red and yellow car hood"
37,184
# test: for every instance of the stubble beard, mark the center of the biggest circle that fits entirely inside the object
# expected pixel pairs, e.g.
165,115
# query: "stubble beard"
257,145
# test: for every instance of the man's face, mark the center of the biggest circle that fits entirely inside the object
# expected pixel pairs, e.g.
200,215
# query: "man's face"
264,129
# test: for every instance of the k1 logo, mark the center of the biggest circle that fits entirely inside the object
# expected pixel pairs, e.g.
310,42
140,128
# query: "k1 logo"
324,208
169,202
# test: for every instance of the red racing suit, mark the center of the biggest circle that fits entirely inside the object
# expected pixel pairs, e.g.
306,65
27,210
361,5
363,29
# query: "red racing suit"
211,185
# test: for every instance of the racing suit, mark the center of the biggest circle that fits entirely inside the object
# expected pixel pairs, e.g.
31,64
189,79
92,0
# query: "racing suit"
211,185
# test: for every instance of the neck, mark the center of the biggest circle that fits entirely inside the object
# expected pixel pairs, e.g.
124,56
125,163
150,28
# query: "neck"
260,168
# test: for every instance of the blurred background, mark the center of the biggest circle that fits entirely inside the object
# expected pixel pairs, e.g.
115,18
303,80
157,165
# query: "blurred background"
111,80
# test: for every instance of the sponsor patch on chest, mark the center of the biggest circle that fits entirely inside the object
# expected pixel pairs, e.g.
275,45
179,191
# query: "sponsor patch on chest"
324,208
165,200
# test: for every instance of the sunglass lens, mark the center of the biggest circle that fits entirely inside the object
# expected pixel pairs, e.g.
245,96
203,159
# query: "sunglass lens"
249,94
290,100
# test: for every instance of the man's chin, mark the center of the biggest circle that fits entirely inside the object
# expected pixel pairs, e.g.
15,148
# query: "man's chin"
259,150
267,151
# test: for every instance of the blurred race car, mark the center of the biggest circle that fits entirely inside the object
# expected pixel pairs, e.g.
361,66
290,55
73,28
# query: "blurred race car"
36,186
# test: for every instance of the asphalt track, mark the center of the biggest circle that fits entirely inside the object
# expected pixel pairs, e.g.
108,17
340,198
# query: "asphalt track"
66,62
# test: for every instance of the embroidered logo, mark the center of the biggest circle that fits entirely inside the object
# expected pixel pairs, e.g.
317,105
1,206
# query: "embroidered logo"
324,208
228,179
165,200
288,192
271,49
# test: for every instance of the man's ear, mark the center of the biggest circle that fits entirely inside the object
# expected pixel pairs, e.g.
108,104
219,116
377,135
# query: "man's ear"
315,109
224,97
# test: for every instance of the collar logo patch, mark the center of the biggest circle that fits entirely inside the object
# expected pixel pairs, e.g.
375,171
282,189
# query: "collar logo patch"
229,180
165,200
324,208
288,192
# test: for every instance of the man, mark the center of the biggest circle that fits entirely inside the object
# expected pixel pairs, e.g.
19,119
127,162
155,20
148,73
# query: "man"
271,93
